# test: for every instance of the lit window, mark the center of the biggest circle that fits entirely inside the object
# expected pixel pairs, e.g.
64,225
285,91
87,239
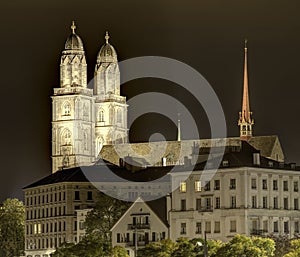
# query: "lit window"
198,186
183,187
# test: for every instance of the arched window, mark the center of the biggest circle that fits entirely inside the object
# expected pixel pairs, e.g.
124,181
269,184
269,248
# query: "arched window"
66,137
67,109
101,116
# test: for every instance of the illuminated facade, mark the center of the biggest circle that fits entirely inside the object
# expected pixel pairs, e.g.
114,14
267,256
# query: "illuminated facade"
84,119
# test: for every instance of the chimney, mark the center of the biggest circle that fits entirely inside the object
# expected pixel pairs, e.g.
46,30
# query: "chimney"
164,161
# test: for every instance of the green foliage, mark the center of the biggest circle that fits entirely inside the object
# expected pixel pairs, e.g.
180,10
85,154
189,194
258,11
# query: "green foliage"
12,223
242,246
282,245
295,249
99,221
164,248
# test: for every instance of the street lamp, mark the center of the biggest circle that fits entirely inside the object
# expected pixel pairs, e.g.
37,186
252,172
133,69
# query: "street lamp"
199,244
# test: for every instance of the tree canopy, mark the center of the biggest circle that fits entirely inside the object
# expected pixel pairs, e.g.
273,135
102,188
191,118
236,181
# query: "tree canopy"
12,223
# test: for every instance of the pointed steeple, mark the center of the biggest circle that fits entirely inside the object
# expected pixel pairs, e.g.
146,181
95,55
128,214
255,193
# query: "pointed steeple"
245,120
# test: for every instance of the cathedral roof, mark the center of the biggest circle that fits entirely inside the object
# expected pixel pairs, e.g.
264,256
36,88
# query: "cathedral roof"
73,42
107,52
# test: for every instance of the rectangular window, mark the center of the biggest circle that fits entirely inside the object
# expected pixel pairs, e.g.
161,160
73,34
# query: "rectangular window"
217,203
153,237
254,201
275,185
296,186
232,183
198,228
285,185
198,204
275,203
264,184
183,229
217,227
208,203
232,226
197,186
89,195
275,226
208,227
232,202
75,225
296,227
296,204
265,226
118,238
183,205
217,185
286,228
286,203
77,195
207,186
253,183
183,187
265,202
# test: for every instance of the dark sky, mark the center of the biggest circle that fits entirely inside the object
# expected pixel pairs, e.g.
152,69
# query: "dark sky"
207,35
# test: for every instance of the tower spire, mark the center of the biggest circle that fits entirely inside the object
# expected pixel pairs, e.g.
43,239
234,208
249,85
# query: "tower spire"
245,120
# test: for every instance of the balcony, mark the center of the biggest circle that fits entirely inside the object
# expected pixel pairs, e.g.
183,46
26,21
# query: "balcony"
139,226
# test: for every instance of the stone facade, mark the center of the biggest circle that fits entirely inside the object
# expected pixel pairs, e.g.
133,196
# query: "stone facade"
85,119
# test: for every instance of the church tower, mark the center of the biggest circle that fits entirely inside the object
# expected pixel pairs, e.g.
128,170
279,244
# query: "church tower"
73,126
110,107
245,121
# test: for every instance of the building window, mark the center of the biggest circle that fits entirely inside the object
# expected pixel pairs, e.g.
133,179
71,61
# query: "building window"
296,186
286,227
208,227
275,203
217,185
118,238
232,226
254,201
182,229
153,237
296,227
208,203
183,205
198,204
217,227
67,109
286,203
265,226
233,202
275,226
285,185
198,228
77,195
296,204
265,202
183,187
275,185
253,183
232,183
89,195
217,203
197,186
207,186
101,116
264,184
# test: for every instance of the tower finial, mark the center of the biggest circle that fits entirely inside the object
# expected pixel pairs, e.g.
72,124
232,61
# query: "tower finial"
178,129
107,37
73,27
246,42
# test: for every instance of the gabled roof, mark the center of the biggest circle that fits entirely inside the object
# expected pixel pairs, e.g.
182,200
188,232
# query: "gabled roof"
158,206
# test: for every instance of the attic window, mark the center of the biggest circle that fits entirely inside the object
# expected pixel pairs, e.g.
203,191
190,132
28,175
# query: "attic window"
270,164
225,163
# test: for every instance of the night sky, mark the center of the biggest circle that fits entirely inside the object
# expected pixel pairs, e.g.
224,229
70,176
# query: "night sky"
207,35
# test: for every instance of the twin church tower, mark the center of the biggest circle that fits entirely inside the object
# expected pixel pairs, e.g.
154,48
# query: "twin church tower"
84,119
